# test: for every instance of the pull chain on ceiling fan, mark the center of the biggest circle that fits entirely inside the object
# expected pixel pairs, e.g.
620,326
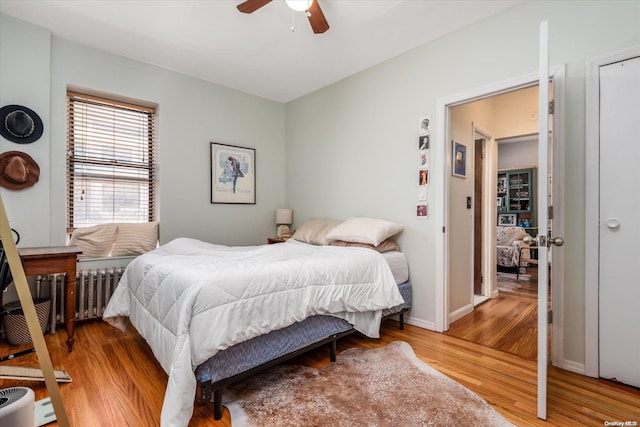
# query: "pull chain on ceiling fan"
312,8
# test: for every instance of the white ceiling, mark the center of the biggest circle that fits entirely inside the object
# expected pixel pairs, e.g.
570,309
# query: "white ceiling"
255,53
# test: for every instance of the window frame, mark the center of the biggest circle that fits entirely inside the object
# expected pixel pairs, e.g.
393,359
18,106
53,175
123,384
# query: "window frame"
122,172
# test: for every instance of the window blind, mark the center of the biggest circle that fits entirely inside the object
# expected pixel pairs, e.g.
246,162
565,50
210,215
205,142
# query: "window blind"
110,161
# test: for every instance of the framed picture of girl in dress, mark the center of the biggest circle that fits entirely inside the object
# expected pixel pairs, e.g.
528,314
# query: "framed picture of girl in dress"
233,174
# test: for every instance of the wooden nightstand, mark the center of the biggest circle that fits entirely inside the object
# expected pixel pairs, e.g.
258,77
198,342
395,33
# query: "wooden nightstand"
273,240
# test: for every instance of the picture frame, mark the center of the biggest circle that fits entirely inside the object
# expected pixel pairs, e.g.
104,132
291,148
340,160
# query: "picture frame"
423,158
459,160
425,125
502,184
422,211
507,219
233,174
423,142
499,202
423,177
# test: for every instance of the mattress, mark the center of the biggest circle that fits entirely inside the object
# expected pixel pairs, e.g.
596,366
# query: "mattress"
399,267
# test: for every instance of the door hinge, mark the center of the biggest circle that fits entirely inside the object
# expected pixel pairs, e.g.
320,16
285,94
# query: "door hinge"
550,212
552,106
550,317
443,229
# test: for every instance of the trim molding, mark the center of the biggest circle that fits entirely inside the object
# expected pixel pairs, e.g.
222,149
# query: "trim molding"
461,312
421,323
572,366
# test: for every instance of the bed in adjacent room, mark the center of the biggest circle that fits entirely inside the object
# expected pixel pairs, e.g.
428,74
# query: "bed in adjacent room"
213,313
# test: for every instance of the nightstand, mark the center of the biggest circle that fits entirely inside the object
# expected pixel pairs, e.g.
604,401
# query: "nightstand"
273,240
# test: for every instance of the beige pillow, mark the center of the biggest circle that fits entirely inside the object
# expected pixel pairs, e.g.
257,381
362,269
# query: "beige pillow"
315,231
384,246
364,230
135,239
96,241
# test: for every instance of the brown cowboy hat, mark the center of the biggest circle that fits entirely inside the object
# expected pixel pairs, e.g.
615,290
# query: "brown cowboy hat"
18,170
20,124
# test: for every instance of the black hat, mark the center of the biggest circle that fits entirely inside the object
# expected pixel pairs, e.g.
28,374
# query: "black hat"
20,124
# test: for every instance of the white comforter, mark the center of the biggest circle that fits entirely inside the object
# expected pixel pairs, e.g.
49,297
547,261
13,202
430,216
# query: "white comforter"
190,299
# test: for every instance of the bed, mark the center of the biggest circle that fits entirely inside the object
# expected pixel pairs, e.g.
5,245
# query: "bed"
211,312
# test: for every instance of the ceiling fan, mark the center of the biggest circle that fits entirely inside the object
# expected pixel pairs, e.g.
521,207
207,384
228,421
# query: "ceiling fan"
317,20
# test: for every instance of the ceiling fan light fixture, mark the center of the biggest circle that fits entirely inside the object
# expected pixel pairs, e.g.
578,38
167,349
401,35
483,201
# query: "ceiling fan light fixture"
299,5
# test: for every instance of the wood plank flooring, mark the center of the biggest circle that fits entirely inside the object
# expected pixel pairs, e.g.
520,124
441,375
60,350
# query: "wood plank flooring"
117,381
508,322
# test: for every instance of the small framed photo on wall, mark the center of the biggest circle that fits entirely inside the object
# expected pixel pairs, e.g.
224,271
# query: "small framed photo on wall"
421,210
507,219
424,142
423,177
459,160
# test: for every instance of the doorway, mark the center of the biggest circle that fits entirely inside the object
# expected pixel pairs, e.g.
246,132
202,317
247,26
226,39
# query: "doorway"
454,287
512,296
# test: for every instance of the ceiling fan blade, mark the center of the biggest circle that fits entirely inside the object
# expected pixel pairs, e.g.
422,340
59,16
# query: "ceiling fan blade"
250,6
316,18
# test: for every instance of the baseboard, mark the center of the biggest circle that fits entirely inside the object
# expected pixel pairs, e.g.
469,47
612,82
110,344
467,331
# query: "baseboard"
461,312
572,366
424,324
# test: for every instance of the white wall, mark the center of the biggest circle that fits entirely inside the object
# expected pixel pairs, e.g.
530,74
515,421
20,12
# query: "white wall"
191,114
517,113
351,146
25,80
518,155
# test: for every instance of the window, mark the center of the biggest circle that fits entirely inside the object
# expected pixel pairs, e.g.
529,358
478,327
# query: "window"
110,161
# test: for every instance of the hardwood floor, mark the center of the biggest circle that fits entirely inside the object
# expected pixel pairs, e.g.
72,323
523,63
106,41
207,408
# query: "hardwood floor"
117,381
508,322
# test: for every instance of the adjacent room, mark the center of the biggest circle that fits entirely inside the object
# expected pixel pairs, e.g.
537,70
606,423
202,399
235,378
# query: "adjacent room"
318,212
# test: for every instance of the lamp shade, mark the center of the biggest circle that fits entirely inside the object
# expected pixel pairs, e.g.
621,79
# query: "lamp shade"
284,216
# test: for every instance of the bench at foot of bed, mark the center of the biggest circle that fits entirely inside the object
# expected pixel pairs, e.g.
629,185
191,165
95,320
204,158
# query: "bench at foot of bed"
214,389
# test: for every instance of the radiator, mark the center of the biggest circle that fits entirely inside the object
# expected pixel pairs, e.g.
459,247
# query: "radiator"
93,291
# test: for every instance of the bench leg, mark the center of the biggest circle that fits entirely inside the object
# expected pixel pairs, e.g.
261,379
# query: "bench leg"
217,404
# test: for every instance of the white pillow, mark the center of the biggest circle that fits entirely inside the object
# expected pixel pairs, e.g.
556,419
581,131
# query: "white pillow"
135,239
364,230
315,231
96,241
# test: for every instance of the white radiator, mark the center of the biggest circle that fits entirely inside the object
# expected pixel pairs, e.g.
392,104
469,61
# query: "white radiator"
93,291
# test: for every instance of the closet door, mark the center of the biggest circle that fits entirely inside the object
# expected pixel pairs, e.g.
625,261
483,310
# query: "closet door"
619,288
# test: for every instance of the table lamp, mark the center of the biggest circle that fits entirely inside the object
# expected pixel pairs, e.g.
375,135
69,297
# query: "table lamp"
284,218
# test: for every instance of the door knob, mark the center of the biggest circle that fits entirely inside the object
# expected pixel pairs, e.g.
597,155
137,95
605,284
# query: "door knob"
557,241
613,224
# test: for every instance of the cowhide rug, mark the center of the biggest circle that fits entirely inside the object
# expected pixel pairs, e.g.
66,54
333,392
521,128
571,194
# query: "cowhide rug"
387,386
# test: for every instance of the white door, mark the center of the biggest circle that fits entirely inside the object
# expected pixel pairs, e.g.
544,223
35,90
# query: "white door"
542,214
619,292
544,238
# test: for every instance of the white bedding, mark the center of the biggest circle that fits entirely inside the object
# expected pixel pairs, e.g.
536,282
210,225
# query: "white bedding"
398,264
190,299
